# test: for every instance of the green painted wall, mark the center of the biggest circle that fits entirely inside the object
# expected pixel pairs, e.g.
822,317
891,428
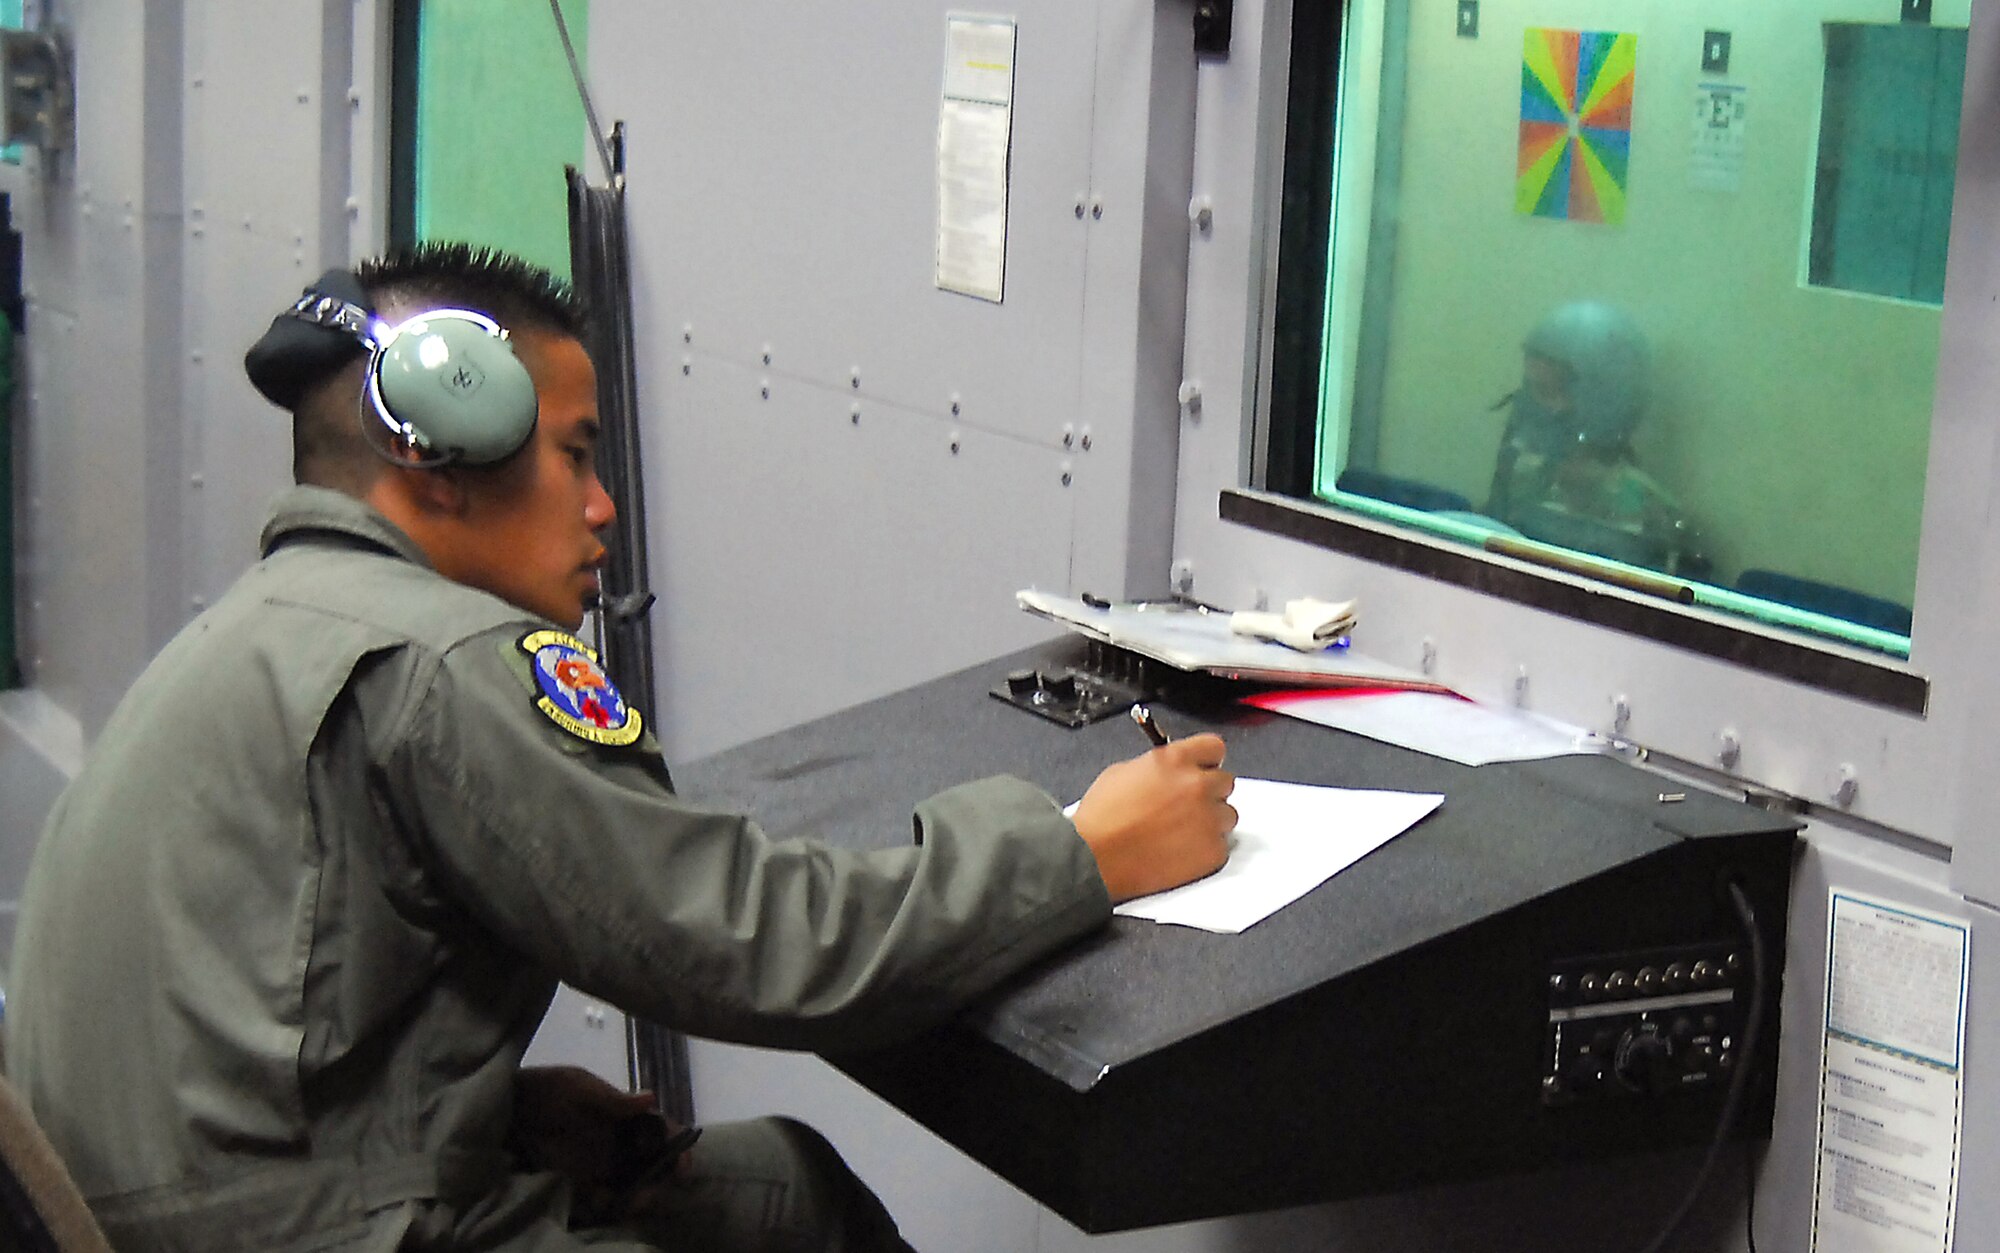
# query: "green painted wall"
1793,422
497,120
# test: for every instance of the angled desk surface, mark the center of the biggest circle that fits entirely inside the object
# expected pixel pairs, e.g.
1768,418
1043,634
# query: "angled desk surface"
1390,1029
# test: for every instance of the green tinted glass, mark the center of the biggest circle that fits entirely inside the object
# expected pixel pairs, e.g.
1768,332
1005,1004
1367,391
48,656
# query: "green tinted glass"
1655,285
497,119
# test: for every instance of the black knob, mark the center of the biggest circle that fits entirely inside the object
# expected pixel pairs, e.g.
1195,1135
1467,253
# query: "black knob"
1705,974
1021,682
1645,1060
1618,984
1648,980
1060,686
1677,976
1589,986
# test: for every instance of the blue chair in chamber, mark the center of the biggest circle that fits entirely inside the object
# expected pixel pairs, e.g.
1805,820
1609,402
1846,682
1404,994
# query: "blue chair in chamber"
1827,598
1409,493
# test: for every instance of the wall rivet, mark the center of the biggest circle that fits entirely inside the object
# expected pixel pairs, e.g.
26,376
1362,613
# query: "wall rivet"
1428,658
1729,748
1621,713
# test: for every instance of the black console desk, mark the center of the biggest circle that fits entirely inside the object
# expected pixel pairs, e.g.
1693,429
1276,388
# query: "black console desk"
1548,969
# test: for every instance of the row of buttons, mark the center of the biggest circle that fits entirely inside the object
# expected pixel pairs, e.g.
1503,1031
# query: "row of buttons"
1650,980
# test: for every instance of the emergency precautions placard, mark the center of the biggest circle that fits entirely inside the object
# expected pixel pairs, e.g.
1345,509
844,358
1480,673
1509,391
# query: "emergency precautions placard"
1892,1079
975,133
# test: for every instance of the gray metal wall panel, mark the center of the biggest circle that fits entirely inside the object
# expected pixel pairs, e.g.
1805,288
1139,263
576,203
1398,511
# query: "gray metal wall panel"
1965,472
806,562
1142,156
783,166
258,171
176,99
237,452
1878,871
85,468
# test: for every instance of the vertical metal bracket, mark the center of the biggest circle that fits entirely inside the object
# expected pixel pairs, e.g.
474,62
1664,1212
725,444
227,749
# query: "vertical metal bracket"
1212,20
37,90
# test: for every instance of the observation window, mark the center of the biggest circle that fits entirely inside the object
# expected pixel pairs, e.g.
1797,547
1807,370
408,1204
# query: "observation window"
1576,282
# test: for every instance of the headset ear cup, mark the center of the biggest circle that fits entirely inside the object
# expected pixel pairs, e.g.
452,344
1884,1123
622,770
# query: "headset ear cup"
454,380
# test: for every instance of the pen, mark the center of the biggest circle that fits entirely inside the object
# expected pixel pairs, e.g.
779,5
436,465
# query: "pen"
1144,717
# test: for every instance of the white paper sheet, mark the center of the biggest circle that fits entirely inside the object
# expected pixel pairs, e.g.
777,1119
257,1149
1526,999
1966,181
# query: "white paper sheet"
1443,726
975,134
1892,1084
1289,839
1190,639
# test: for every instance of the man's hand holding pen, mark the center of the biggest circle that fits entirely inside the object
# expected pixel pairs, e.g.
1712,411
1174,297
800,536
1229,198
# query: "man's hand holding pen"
1161,819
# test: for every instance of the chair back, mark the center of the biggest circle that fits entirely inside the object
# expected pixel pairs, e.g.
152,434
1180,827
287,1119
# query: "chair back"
41,1210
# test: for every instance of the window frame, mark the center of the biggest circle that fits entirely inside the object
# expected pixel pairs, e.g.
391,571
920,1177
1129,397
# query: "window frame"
1923,779
1288,425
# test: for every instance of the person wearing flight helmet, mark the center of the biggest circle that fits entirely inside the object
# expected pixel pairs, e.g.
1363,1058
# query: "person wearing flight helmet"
1567,471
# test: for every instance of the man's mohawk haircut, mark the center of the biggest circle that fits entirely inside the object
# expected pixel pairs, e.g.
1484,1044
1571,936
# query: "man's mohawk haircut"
513,292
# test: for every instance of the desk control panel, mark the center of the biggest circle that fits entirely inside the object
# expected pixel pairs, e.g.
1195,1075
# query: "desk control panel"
1103,683
1632,1026
1415,1019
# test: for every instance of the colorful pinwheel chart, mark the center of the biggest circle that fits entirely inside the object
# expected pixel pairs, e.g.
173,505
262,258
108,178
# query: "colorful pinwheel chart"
1576,124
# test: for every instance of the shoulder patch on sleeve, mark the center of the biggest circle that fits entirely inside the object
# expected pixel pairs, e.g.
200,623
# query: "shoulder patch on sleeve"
573,690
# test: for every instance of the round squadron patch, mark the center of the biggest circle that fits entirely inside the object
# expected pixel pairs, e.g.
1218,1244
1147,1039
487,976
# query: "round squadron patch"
575,693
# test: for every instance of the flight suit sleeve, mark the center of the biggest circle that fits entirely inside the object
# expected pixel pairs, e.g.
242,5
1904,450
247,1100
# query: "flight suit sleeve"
579,856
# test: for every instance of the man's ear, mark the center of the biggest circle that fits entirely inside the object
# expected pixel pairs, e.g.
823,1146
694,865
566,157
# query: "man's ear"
437,492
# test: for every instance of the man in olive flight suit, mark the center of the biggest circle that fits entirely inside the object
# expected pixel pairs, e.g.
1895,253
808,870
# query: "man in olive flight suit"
286,937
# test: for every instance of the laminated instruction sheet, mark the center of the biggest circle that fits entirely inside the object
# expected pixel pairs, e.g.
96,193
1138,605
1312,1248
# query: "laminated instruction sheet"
975,134
1892,1079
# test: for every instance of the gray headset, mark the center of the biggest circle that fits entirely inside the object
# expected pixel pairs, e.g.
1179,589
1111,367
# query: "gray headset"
445,382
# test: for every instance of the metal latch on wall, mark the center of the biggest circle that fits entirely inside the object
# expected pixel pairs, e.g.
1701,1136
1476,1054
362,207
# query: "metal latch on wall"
37,90
1212,19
